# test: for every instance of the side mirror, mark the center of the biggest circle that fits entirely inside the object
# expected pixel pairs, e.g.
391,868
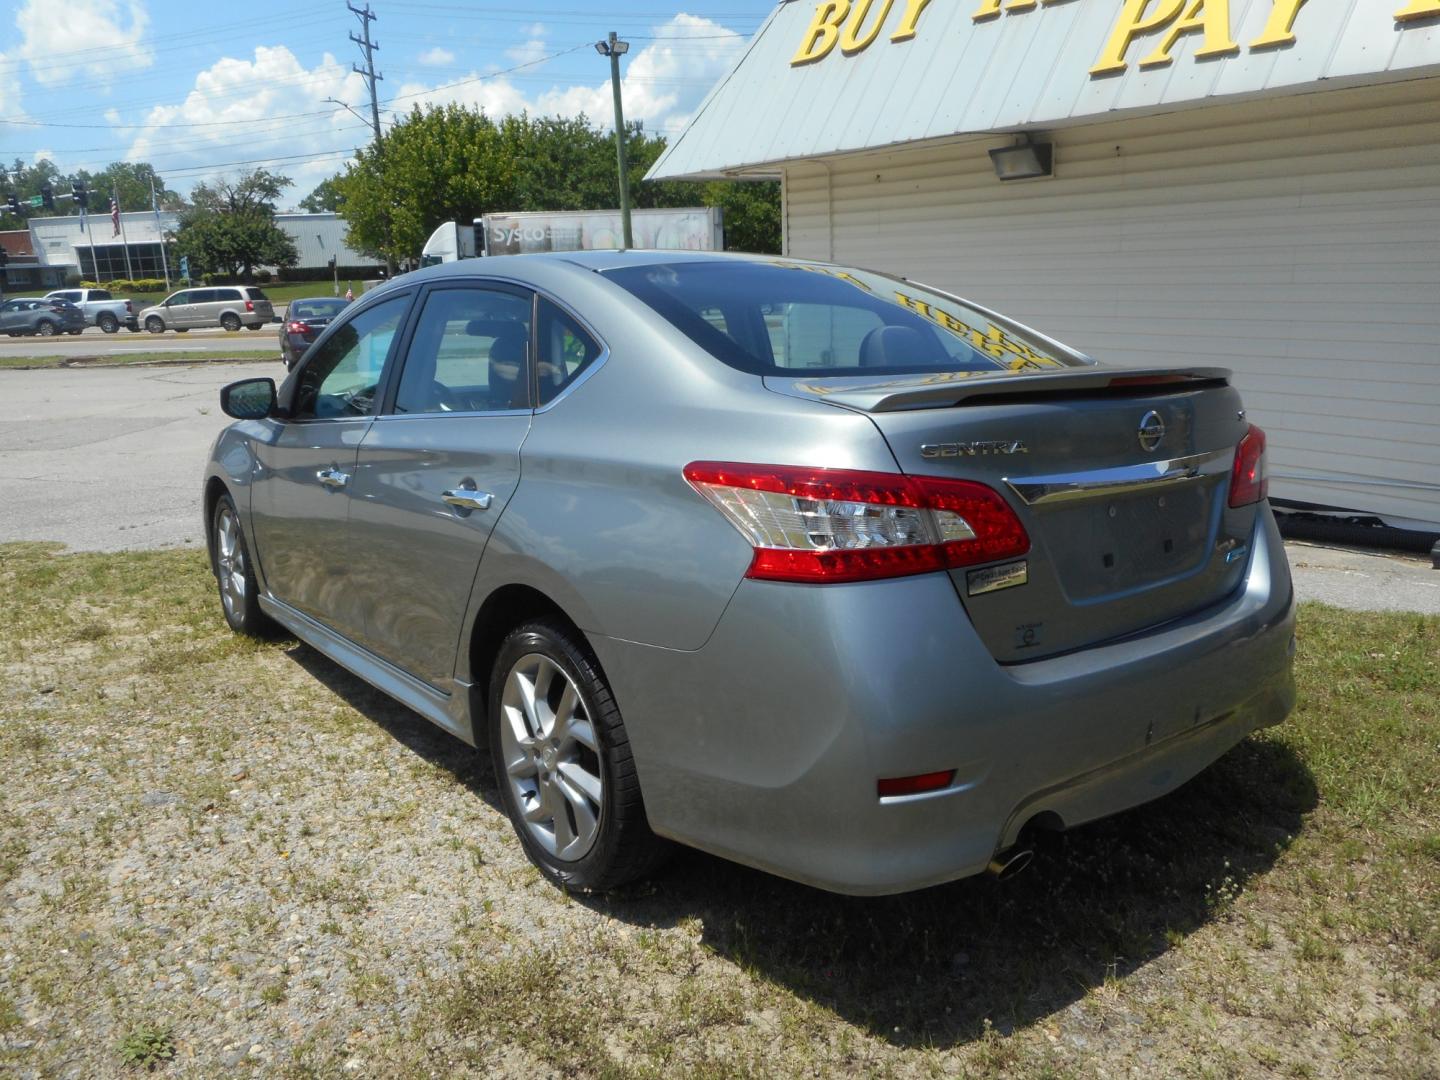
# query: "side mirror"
248,399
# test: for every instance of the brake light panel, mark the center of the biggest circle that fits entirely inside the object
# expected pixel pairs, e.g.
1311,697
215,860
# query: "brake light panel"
1248,480
838,525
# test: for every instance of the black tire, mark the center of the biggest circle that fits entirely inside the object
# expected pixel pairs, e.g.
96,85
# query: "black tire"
230,321
257,326
46,328
624,848
241,607
182,329
155,325
108,323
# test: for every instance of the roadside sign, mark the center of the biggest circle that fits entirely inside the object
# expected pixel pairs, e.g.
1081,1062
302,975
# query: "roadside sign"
35,200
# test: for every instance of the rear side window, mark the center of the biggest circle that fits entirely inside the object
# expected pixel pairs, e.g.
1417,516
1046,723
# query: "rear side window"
565,350
227,294
201,296
782,318
97,294
255,294
470,353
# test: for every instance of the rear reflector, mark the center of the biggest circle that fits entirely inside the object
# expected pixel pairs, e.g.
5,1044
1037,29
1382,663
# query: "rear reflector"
915,785
1248,482
836,525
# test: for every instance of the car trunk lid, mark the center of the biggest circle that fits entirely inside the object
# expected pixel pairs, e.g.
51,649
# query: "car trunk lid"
1120,477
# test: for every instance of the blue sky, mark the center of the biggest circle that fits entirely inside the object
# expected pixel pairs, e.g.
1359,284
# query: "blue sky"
201,90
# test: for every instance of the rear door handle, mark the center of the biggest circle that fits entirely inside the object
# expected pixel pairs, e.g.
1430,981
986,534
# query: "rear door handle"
468,498
332,478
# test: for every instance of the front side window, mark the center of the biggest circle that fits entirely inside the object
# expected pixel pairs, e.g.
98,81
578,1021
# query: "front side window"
342,376
564,350
178,298
470,353
789,319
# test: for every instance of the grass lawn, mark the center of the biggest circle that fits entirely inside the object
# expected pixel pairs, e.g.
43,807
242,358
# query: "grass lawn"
120,360
220,856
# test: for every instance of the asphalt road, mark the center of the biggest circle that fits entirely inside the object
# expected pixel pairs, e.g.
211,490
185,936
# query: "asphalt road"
95,342
107,459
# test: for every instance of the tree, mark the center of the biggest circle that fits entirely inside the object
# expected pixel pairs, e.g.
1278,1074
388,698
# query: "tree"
454,163
230,227
132,179
325,198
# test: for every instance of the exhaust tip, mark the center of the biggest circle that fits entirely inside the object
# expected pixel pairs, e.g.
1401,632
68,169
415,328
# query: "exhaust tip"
1006,864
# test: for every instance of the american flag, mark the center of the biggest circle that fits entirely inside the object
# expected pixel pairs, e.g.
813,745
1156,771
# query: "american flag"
115,217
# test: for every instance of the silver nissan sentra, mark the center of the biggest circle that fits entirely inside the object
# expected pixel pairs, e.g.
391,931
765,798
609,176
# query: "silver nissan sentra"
817,569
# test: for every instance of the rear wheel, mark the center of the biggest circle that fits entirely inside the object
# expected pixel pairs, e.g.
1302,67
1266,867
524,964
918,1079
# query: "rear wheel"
229,558
46,328
230,321
563,763
108,323
155,324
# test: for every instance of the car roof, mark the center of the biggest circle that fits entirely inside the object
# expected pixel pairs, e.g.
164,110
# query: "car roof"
507,265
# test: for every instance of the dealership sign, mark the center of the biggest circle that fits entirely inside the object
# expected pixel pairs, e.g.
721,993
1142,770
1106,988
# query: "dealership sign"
855,25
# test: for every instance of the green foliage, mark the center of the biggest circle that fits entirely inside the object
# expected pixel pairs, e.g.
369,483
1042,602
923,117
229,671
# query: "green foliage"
230,228
147,1047
454,163
130,179
325,198
123,286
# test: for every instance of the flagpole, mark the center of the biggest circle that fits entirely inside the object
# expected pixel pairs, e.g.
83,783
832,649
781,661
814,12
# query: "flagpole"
164,261
120,218
94,262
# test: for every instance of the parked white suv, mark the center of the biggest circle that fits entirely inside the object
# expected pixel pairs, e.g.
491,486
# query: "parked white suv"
229,306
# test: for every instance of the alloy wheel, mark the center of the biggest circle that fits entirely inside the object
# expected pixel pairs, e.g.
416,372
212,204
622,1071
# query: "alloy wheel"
551,757
230,563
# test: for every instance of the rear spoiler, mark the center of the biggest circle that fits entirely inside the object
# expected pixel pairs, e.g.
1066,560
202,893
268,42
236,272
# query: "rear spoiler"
950,388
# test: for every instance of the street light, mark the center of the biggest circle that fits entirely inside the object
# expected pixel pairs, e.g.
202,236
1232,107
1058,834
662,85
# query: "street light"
614,48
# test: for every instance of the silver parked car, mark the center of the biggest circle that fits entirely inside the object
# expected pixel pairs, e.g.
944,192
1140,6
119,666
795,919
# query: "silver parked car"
47,318
226,306
814,568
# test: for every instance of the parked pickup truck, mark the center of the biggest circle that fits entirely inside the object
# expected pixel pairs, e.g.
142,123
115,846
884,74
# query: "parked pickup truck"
100,308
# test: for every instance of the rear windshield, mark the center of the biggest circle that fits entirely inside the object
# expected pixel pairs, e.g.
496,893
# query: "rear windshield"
255,294
802,319
315,309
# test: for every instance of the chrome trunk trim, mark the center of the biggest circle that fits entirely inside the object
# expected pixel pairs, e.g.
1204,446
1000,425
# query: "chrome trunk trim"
1121,480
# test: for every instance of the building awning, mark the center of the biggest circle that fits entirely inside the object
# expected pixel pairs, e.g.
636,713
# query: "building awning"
847,75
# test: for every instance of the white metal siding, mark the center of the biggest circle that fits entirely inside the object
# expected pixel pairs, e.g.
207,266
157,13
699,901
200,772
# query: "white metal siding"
1295,239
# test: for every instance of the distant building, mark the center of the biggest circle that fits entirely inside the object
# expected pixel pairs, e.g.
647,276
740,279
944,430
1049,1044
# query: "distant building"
60,247
22,271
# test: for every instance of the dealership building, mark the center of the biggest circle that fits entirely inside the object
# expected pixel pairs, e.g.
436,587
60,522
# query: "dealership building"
1252,184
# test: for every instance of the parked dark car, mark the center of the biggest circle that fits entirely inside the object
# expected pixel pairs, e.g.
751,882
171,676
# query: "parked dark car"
44,317
303,323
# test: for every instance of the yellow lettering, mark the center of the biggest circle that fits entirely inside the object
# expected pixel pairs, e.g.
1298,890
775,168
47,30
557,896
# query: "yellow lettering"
917,306
1210,16
1418,9
823,32
1021,5
906,30
856,37
1277,27
1132,23
988,10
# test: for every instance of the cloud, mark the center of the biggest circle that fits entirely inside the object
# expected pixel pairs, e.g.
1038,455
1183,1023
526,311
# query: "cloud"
437,57
244,110
533,49
10,104
86,37
663,83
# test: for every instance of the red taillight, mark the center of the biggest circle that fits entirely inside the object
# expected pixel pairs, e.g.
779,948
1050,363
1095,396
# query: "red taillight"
915,785
297,328
249,305
129,308
1248,482
834,525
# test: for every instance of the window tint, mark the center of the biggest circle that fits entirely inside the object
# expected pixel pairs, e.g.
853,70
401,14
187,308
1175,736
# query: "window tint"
470,353
202,296
316,309
179,298
342,375
226,295
65,295
785,318
564,350
95,294
255,294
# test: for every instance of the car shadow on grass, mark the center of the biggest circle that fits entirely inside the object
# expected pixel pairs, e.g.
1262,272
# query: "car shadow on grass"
940,966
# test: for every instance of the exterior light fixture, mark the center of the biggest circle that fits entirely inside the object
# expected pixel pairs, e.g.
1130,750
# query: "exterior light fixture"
1023,161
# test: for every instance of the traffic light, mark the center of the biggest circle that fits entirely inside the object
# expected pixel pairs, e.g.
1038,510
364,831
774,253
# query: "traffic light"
12,204
82,197
4,257
47,197
331,264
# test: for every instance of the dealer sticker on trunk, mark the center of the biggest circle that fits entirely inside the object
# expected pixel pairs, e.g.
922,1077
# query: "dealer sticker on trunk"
993,578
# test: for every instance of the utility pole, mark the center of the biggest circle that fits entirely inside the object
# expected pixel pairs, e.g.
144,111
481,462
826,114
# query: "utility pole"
160,231
614,48
366,17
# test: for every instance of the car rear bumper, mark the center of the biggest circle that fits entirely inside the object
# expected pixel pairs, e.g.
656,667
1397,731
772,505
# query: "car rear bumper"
765,745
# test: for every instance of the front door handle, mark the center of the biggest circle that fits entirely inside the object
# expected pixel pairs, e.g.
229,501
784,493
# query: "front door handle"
468,498
333,478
